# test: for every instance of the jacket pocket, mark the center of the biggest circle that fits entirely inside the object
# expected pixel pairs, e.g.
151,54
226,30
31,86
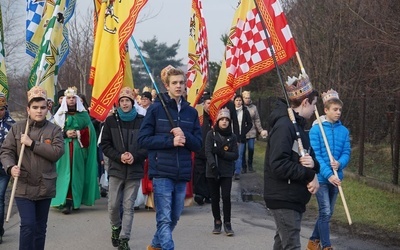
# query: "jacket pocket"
22,183
48,185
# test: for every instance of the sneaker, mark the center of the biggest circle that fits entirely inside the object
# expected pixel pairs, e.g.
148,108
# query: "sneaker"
217,227
228,229
313,244
124,244
115,235
150,247
237,176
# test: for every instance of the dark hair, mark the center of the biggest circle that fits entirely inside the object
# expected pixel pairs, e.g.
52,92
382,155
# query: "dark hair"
36,99
297,102
238,96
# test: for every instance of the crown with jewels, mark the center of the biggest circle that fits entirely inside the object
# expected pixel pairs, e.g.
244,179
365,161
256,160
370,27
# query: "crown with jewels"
126,92
298,87
71,91
330,94
37,92
164,73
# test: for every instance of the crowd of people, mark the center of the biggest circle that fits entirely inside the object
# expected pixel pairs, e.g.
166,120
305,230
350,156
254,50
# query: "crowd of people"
153,145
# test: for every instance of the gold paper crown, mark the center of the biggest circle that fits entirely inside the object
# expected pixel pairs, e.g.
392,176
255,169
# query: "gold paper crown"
126,92
3,100
71,91
224,113
330,94
298,87
37,92
164,73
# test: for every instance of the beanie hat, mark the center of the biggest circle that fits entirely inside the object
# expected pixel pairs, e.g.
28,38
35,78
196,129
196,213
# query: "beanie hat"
223,113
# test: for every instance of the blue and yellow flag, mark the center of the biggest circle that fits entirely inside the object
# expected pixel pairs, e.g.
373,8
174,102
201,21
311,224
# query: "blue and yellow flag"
45,66
3,76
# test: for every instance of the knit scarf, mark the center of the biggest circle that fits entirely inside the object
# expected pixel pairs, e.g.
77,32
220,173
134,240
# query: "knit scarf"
127,116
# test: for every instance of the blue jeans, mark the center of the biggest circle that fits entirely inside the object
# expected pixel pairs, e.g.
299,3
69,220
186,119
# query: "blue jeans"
238,163
34,215
326,197
4,179
250,146
288,225
169,198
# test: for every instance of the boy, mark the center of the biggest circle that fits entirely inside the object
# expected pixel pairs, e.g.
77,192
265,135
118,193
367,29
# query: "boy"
290,175
170,148
37,174
338,138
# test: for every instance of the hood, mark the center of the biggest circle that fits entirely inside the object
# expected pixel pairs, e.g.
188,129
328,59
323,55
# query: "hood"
281,110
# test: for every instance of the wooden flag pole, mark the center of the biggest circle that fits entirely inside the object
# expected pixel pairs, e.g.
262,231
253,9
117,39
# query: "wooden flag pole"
346,209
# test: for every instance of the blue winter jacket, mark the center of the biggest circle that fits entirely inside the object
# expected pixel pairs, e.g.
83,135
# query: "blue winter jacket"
338,139
166,160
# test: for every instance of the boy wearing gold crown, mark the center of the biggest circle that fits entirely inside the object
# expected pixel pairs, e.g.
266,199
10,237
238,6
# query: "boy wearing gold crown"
5,125
119,144
338,138
170,148
290,174
221,149
44,145
77,169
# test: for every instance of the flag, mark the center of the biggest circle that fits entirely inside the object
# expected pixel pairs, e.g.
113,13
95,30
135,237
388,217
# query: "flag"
116,21
197,73
39,13
3,76
45,66
247,53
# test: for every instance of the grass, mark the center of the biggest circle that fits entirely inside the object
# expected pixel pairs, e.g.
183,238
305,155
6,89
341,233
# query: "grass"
369,207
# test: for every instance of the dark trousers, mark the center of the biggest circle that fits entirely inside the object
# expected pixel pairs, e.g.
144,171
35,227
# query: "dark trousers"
200,186
221,187
34,215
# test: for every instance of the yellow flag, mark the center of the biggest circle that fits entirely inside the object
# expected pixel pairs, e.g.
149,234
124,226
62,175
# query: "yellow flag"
116,21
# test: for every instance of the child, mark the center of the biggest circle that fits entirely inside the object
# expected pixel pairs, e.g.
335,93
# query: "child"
221,151
338,138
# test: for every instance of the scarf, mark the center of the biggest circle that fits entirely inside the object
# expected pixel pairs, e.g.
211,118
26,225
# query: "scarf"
127,116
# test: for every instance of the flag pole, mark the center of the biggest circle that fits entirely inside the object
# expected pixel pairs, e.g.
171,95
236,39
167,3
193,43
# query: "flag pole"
160,95
289,109
21,154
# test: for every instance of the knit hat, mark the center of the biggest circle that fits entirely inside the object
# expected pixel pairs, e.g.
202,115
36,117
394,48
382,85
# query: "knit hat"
3,100
223,113
37,92
126,92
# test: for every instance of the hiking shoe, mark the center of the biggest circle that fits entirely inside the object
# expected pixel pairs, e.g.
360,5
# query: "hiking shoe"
228,229
217,227
150,247
313,244
115,235
124,244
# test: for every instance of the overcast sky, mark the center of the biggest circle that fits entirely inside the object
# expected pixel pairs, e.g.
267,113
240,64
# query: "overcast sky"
171,22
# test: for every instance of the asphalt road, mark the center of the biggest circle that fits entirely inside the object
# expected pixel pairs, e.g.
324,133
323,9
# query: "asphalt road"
89,228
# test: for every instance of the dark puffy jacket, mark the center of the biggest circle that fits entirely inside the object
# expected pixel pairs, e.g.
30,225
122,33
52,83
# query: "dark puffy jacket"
113,147
166,160
226,163
285,179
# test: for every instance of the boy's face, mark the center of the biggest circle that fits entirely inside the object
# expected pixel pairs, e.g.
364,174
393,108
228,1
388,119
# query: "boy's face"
125,104
309,109
37,111
223,123
333,113
176,86
71,101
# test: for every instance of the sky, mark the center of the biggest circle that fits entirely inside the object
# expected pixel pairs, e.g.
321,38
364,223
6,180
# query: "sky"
171,23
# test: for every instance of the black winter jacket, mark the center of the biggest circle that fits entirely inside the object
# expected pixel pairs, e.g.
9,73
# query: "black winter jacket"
285,179
228,153
113,147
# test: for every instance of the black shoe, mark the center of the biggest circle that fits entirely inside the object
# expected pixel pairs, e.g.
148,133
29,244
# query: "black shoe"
199,199
103,192
228,229
217,227
123,244
68,207
244,171
115,235
207,200
251,170
237,176
136,208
